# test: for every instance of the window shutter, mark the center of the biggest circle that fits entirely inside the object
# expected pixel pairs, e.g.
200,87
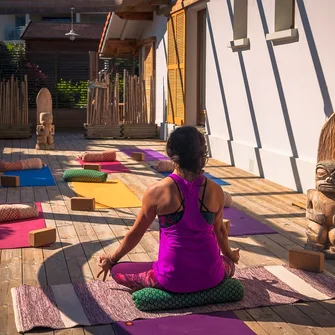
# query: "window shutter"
148,76
176,68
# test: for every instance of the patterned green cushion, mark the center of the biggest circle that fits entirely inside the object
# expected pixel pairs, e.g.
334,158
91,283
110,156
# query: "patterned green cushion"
81,175
151,299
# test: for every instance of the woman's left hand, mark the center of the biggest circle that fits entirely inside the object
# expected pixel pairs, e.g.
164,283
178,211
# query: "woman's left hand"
234,255
106,264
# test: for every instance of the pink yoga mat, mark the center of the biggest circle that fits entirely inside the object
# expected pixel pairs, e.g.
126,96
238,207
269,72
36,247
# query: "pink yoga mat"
15,234
108,167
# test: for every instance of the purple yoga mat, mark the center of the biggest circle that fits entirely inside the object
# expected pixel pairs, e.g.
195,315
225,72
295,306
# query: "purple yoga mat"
242,224
149,154
195,324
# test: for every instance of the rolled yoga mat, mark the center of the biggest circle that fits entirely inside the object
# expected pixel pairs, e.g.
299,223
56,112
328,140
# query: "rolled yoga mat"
10,212
25,164
99,156
15,234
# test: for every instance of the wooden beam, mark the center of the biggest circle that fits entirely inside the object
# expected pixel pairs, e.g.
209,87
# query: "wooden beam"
118,52
176,6
138,16
181,4
131,43
146,41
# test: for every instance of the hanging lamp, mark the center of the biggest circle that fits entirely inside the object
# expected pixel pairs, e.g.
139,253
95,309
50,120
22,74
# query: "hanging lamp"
72,34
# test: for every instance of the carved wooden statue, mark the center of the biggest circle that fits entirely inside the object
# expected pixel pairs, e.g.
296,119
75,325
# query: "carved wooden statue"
321,202
45,131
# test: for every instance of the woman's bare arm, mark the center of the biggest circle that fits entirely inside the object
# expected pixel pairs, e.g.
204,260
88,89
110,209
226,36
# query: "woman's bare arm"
143,221
221,232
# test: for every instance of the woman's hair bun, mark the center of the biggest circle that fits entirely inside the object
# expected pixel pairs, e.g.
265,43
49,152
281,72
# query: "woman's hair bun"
187,148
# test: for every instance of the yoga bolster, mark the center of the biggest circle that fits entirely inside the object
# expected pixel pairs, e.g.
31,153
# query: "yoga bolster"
152,299
89,176
25,164
99,156
165,166
10,212
228,201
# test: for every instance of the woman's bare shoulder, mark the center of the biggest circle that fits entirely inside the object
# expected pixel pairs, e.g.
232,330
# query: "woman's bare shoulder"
161,185
214,188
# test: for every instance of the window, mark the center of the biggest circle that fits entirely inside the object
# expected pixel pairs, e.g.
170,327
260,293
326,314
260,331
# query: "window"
240,25
284,14
284,23
176,68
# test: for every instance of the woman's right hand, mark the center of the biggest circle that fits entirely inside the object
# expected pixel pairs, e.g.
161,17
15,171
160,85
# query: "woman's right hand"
234,255
105,263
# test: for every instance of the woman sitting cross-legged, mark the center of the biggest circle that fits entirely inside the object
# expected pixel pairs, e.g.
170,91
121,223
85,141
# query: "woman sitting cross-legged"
189,208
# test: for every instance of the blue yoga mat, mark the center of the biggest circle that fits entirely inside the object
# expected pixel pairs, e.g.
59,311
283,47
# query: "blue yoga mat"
36,177
208,175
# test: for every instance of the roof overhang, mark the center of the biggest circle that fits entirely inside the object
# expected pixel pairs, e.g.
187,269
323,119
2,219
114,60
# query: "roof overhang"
121,36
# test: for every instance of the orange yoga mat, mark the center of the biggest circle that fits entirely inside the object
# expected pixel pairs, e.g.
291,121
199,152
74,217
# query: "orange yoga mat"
111,194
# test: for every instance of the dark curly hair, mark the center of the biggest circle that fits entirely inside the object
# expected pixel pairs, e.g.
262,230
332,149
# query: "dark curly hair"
187,148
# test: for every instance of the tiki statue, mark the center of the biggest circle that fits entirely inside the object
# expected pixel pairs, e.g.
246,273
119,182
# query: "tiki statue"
45,131
321,201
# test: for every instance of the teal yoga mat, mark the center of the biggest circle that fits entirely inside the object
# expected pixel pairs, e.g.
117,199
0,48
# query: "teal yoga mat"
35,177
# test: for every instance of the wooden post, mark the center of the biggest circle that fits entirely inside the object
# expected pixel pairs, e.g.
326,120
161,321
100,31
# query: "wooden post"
94,65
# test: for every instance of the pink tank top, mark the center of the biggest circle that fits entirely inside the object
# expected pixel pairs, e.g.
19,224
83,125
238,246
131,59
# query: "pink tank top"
189,256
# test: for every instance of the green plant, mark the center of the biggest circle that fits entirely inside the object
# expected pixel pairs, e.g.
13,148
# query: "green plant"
72,94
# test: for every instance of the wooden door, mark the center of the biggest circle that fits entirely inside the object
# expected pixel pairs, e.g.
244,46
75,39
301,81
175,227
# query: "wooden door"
176,67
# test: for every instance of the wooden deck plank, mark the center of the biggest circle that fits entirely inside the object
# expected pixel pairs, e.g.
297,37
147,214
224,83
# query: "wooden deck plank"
81,236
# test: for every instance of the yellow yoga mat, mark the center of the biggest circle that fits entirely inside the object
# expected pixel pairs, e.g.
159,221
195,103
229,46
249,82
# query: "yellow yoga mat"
111,194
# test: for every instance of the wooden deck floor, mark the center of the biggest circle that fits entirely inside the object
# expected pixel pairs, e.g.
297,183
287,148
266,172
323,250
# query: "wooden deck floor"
82,236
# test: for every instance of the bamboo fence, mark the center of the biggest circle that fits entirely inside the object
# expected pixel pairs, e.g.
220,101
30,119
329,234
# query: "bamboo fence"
104,106
14,102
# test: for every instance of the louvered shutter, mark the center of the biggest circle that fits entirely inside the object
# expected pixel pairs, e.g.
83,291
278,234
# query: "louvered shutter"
148,75
176,68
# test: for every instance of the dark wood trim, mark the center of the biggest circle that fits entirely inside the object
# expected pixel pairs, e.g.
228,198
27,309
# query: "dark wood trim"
137,16
146,41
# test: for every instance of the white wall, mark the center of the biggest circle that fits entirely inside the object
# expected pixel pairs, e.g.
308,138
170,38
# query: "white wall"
159,30
275,98
6,22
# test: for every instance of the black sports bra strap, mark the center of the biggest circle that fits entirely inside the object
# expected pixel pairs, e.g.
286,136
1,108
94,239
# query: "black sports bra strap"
203,197
180,194
203,193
